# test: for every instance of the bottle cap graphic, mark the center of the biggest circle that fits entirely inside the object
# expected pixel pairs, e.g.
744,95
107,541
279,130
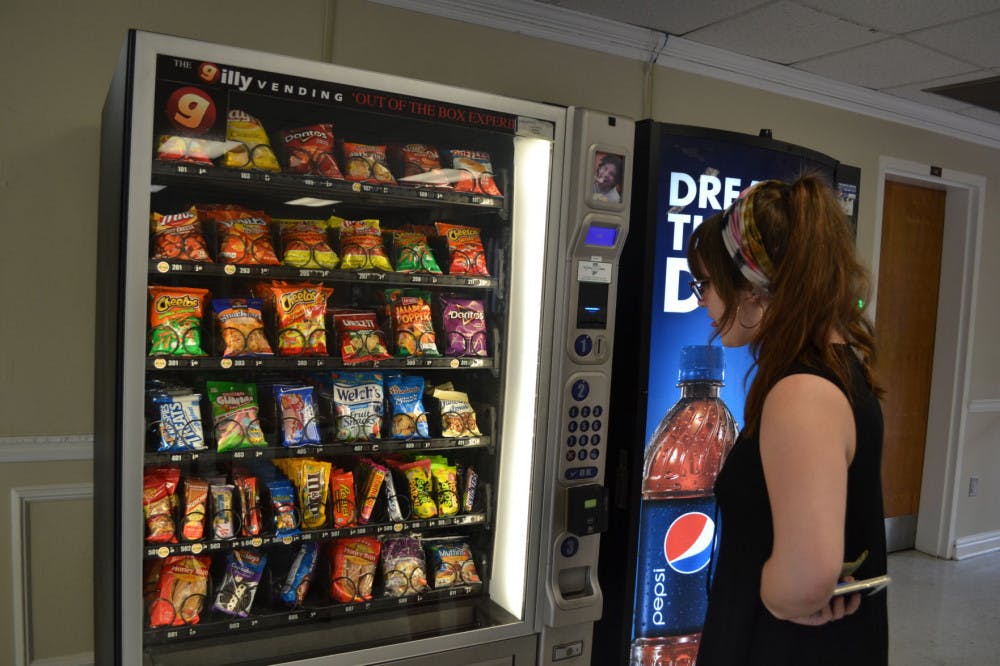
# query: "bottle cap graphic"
702,363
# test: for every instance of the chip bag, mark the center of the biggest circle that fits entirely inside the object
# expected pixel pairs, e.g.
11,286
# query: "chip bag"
476,172
413,254
409,418
241,327
465,249
458,419
367,163
361,245
301,310
252,149
463,322
412,322
403,568
361,339
179,237
181,591
452,564
244,235
421,165
305,244
309,150
354,560
175,320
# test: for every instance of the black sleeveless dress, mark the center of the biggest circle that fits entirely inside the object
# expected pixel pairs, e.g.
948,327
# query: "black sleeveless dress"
739,630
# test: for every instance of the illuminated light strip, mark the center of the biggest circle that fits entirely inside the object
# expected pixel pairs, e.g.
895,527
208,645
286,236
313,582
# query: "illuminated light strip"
532,160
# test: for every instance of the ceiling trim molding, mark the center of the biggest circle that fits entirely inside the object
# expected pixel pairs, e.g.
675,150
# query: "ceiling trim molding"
615,38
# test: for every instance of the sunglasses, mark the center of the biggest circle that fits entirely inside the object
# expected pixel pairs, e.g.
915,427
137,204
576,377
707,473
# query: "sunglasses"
698,288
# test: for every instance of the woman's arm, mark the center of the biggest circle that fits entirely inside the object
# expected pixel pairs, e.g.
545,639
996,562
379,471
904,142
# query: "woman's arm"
806,444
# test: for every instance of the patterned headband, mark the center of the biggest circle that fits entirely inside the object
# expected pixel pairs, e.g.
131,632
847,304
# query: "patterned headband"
743,240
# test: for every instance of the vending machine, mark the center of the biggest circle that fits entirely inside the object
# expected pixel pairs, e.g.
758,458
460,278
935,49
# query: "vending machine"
343,320
655,558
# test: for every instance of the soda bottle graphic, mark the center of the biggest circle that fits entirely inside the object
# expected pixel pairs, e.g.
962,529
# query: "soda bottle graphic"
677,529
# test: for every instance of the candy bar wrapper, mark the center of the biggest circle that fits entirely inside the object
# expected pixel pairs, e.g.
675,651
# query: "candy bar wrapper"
195,509
286,517
223,511
392,501
250,509
374,475
296,587
469,492
344,502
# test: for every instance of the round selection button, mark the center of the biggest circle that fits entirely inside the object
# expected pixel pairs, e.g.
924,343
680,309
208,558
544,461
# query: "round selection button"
580,390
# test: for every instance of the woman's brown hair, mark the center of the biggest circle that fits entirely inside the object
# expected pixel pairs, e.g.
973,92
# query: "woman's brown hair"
818,286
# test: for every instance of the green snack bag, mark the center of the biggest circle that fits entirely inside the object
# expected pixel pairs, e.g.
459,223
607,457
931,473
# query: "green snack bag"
234,411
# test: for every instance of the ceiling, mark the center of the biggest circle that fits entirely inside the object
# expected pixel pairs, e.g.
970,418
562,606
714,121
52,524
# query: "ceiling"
900,48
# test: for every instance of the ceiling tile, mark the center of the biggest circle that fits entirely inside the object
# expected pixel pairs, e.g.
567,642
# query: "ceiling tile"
784,32
901,16
974,40
886,64
676,17
915,91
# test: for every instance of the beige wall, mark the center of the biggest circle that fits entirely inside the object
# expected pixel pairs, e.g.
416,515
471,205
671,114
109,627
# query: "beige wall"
54,88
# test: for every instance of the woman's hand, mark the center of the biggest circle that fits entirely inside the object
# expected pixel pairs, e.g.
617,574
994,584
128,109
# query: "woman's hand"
839,607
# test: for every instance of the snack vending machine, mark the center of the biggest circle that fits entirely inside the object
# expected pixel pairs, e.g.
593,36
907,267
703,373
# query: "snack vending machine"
677,400
324,352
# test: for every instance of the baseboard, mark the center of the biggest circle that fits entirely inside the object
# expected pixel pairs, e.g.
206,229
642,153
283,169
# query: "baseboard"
977,544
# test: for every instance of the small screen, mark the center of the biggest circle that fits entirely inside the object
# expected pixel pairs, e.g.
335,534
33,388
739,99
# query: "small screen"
602,236
590,504
608,175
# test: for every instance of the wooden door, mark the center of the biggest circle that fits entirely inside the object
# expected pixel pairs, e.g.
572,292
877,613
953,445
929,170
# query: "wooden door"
905,321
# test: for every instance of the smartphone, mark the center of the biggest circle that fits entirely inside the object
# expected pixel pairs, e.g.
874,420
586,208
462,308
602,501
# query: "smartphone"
869,585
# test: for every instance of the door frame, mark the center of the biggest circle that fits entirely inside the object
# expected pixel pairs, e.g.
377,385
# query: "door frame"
951,374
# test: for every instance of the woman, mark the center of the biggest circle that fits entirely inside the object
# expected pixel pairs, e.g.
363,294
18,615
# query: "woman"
800,493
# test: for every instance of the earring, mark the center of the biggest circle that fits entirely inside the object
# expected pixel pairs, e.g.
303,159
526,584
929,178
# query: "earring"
739,317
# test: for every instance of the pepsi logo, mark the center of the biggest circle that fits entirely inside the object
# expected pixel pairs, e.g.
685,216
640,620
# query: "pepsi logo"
687,546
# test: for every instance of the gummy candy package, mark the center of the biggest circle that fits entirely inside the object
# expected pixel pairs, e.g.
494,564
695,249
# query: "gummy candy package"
235,413
358,410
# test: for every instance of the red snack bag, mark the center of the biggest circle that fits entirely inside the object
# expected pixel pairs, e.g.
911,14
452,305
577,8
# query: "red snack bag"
354,560
465,249
309,150
250,503
244,235
301,310
476,172
422,166
361,339
179,237
181,592
158,503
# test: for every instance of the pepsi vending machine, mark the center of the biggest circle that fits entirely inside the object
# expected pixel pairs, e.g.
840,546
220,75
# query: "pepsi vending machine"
661,534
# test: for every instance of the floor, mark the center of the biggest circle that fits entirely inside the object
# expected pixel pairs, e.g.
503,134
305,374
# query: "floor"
944,612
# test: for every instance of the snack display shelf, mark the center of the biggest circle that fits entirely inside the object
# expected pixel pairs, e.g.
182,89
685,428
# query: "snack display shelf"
208,546
293,186
315,362
338,448
194,269
257,623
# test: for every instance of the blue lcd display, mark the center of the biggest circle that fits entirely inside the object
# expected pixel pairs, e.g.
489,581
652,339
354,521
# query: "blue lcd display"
602,236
